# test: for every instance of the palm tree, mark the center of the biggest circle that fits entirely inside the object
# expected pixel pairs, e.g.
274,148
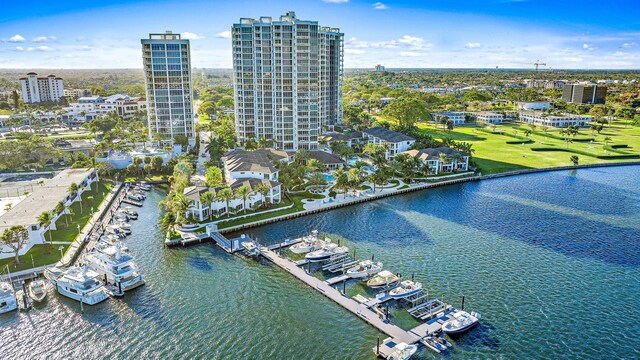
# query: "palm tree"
180,206
147,164
263,189
606,141
227,195
314,165
207,198
574,159
342,181
302,155
444,158
45,219
245,193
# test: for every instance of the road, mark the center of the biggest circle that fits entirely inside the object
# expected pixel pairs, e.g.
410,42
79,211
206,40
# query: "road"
203,156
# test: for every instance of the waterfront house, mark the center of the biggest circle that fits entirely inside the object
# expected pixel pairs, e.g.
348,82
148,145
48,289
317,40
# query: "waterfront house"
455,160
45,198
555,120
397,142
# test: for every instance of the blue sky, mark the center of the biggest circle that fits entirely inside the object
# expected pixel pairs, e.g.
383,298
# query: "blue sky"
584,34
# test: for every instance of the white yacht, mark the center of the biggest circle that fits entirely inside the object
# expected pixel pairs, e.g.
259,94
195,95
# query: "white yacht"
309,243
383,279
115,230
7,298
132,214
326,252
37,290
117,267
462,321
364,269
403,351
78,283
406,289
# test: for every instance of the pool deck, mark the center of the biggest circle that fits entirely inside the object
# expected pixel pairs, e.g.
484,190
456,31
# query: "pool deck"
364,311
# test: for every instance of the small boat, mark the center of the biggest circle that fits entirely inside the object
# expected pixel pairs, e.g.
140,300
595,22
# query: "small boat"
403,351
144,187
135,197
440,338
251,248
309,243
462,321
78,283
364,269
383,279
406,288
124,226
432,343
326,252
115,230
132,214
37,290
7,298
24,303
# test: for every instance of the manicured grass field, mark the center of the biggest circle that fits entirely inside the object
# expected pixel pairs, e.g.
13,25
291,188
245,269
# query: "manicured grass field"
493,154
43,254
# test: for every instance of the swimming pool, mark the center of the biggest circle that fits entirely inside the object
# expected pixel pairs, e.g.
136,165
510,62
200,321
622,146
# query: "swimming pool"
329,178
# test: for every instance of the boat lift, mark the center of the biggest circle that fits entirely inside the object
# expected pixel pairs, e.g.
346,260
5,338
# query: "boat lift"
428,310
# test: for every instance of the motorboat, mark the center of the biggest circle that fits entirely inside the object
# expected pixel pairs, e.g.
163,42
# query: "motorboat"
402,351
115,267
79,283
135,196
309,243
251,248
364,269
132,214
406,289
115,230
326,252
124,226
144,187
383,279
7,298
432,343
120,216
462,321
37,290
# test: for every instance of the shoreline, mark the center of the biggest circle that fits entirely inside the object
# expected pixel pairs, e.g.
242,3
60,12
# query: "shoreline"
262,222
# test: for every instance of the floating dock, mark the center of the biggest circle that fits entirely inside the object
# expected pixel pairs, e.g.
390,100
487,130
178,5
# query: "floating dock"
365,310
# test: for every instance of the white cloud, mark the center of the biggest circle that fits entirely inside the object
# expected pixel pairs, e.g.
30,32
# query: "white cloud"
472,45
410,54
587,47
354,51
39,48
407,41
15,39
379,6
192,36
225,34
43,39
629,45
19,48
83,48
336,1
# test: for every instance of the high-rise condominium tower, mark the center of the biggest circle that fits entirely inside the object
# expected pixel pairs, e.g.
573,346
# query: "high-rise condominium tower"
38,89
167,72
287,78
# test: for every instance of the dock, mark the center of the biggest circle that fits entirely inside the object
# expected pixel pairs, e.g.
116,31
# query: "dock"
365,310
131,202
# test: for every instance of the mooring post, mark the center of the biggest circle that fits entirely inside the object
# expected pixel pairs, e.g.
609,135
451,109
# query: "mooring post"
344,287
378,346
462,306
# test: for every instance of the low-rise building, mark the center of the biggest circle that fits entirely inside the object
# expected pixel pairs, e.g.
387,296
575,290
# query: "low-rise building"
351,139
457,118
452,161
44,198
533,105
554,120
489,117
397,142
77,93
329,160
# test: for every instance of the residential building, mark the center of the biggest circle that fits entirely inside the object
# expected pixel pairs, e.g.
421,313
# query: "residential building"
332,162
386,100
555,120
242,168
454,161
489,117
546,84
169,93
351,139
584,93
380,68
533,105
44,198
287,77
396,142
38,89
457,118
77,93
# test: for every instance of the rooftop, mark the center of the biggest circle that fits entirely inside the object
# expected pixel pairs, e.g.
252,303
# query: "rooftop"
433,153
257,161
324,157
387,135
43,198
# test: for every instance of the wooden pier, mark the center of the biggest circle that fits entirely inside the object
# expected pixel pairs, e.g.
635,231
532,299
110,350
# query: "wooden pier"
366,311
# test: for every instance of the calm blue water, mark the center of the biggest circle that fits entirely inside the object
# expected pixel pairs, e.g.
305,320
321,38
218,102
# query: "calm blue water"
551,261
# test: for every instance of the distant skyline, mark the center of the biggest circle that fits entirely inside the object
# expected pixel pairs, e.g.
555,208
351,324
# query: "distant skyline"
397,34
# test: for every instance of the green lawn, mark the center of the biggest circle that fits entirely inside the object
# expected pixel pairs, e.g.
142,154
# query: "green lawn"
6,112
43,254
81,214
493,154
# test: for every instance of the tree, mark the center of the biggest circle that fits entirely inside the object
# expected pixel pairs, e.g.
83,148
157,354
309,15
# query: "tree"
263,189
147,164
104,168
342,181
574,159
15,97
181,140
213,177
226,195
245,193
138,164
73,189
180,206
45,219
250,144
207,198
156,162
59,207
15,238
184,168
406,112
606,141
302,155
449,125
